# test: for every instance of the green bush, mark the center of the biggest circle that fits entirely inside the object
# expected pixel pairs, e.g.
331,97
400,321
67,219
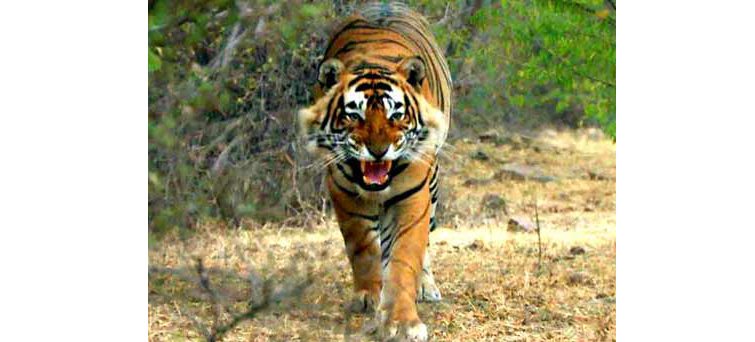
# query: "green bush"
529,63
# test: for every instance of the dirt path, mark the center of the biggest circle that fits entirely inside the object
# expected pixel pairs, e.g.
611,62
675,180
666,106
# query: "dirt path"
494,286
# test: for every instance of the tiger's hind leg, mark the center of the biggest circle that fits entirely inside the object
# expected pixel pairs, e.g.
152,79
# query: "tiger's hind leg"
427,291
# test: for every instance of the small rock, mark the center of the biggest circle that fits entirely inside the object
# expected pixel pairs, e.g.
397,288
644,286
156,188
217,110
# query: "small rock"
578,278
598,176
494,202
543,179
476,244
522,173
489,136
479,155
576,250
518,224
477,181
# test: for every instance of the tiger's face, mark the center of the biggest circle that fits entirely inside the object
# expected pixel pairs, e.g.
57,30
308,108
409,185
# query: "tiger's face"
373,119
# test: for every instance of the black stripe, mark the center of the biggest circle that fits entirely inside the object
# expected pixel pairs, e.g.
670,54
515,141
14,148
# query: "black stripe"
346,191
328,147
385,239
354,25
348,177
413,116
375,31
378,85
395,171
352,45
419,113
372,77
338,108
387,249
413,224
389,227
383,86
366,217
392,59
366,65
363,87
406,194
327,114
410,111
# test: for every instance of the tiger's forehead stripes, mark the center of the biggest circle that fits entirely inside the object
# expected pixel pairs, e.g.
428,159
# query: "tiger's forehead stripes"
356,99
372,76
364,65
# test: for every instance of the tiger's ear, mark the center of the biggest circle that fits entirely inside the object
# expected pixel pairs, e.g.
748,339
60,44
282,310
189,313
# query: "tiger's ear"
330,70
414,71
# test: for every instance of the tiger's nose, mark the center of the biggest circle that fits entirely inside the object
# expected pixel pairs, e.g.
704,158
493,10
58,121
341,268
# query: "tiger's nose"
378,151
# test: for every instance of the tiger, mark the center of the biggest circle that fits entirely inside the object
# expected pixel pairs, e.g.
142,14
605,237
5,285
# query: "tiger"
381,114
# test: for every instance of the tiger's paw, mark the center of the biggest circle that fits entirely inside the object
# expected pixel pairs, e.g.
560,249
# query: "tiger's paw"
414,331
363,302
427,291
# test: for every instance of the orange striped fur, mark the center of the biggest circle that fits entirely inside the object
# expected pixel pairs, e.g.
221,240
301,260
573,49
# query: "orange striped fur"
382,111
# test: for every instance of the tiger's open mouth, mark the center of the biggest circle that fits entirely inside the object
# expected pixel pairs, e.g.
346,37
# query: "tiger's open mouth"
375,173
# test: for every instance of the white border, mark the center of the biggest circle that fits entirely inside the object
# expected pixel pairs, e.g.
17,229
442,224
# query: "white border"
74,143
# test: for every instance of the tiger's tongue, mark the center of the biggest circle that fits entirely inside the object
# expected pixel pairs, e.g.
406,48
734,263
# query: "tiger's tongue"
375,172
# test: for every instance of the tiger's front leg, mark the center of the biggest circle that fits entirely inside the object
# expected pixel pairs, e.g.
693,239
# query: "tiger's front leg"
359,228
403,251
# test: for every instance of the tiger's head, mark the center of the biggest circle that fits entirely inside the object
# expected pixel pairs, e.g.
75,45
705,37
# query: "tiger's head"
374,116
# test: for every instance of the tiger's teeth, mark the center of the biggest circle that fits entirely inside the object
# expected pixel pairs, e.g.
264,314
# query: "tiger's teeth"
375,172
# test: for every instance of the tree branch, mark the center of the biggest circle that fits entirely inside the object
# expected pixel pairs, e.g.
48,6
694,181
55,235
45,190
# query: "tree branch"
217,330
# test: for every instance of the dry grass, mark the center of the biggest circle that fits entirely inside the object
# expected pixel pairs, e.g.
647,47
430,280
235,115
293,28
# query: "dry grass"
494,288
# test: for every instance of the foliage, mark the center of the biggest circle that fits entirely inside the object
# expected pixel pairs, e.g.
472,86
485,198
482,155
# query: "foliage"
528,63
226,77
